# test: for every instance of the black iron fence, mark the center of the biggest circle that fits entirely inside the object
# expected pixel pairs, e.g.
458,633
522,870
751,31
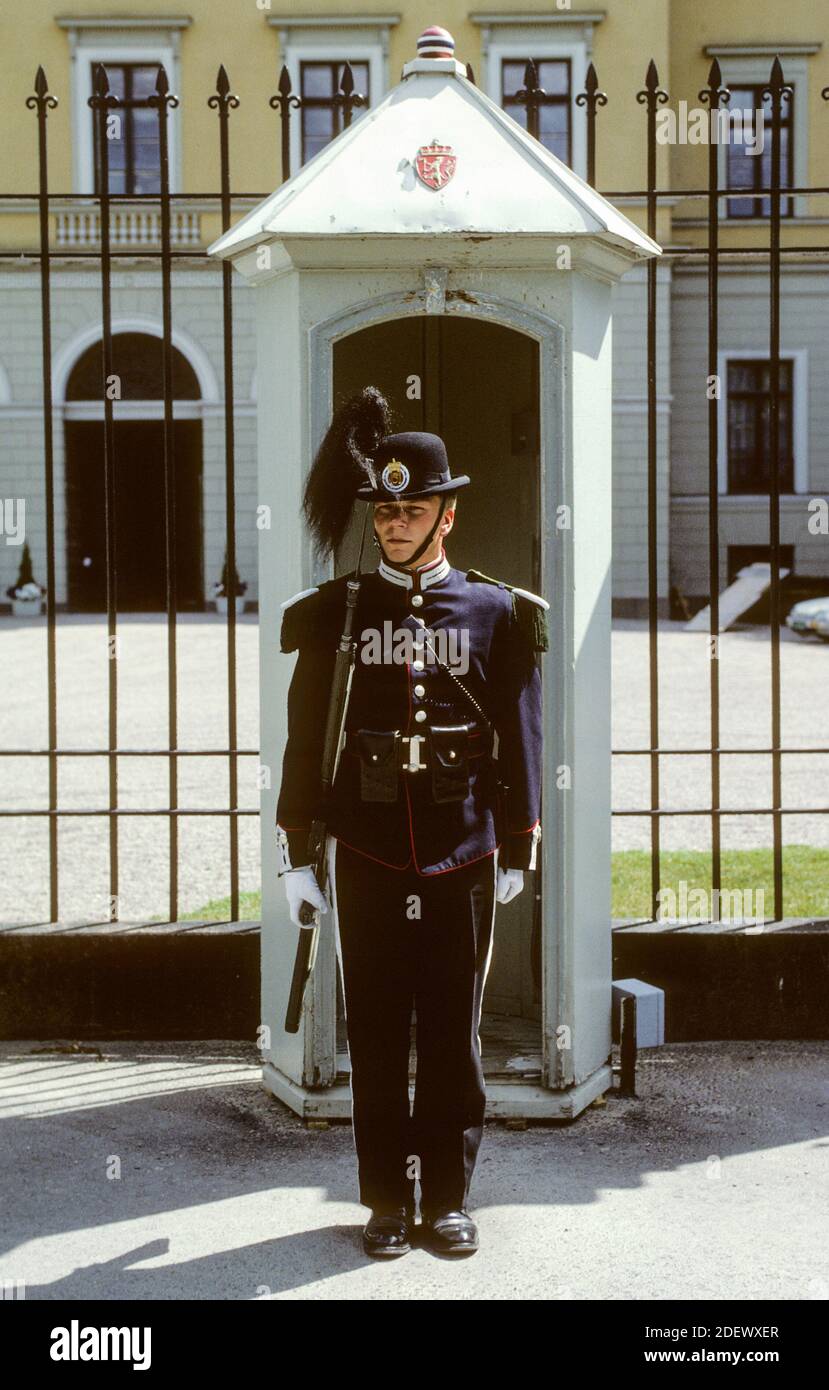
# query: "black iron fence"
286,104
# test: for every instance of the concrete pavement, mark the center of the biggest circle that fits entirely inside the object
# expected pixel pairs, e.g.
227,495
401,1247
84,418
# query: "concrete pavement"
165,1171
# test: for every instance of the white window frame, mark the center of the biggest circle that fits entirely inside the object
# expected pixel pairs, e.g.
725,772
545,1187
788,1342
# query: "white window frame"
333,40
569,35
740,70
141,45
800,418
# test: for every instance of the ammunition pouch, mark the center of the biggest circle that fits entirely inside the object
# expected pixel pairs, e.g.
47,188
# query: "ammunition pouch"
377,751
385,754
449,749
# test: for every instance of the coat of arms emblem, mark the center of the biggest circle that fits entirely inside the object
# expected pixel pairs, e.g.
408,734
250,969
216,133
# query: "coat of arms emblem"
435,164
395,476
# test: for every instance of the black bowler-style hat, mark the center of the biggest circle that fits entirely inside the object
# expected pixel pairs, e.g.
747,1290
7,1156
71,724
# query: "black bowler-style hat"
412,464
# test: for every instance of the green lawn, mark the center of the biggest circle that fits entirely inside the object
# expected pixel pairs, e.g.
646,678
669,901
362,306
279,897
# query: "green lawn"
218,910
805,882
805,878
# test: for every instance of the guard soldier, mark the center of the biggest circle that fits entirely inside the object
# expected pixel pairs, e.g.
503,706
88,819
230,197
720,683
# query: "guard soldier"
420,844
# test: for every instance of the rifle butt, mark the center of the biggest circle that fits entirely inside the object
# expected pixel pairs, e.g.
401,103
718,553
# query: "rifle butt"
303,965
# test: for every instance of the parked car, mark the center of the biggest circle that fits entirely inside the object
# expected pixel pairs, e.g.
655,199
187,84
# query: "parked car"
811,615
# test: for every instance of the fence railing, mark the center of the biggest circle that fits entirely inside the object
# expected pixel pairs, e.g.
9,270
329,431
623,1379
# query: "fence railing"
166,227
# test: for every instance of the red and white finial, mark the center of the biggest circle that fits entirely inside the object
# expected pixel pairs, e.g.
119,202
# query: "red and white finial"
435,42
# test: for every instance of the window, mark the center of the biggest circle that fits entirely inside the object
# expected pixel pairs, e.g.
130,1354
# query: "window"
746,69
322,116
554,108
314,49
749,436
561,45
748,170
133,149
131,48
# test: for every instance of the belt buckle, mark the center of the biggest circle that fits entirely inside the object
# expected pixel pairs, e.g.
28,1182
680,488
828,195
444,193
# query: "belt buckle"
414,740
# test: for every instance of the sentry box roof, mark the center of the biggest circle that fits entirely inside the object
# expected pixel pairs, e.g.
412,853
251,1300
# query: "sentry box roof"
487,194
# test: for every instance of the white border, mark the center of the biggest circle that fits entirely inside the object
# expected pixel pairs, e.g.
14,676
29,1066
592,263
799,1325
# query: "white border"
67,355
94,48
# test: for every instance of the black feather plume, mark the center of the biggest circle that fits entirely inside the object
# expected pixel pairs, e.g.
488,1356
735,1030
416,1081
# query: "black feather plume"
342,464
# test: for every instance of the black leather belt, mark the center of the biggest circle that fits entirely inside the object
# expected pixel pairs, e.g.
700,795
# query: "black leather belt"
413,752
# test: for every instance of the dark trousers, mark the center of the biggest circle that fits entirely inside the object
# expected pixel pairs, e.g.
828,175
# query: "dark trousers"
407,941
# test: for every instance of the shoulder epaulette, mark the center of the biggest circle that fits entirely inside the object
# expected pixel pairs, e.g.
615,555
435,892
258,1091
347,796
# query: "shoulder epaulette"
530,609
305,616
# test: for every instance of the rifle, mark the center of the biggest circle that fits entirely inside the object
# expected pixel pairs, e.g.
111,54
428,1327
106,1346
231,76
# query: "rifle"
306,952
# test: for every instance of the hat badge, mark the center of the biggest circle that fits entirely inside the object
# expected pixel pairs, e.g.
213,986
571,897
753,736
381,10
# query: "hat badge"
395,476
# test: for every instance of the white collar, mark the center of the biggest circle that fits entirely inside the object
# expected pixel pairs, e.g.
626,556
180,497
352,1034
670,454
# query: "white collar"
421,577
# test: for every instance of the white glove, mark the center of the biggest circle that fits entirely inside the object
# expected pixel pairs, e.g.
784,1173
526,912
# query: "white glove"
301,886
510,883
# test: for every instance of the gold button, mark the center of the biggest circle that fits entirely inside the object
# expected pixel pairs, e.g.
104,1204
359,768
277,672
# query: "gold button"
451,752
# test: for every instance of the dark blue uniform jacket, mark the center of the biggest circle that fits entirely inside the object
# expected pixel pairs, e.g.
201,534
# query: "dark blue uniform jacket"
504,630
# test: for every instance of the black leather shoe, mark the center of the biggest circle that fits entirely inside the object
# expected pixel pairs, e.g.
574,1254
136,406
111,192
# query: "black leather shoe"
387,1232
452,1233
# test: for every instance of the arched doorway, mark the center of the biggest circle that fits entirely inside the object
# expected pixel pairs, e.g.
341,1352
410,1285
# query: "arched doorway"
478,386
138,429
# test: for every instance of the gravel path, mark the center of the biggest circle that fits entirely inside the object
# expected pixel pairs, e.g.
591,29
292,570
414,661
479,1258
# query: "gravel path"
203,781
83,842
745,722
